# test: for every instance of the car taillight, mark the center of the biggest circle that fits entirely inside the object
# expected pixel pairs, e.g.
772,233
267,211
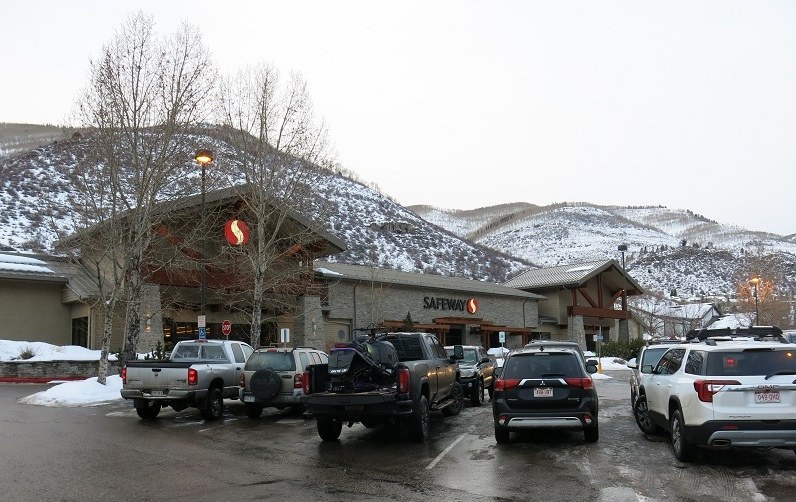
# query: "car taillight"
124,375
242,380
706,388
580,383
403,381
505,384
305,382
193,376
297,382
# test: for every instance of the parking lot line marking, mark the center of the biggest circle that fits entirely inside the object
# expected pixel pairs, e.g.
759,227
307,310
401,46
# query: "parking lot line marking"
444,452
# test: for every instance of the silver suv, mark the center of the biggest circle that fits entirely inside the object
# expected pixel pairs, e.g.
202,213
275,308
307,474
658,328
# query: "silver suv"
272,377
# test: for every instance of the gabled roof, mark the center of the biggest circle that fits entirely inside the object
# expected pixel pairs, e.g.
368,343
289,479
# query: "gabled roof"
53,269
330,271
219,197
574,275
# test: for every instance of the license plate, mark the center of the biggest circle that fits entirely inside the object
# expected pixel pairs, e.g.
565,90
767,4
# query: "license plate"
543,392
248,398
767,397
158,393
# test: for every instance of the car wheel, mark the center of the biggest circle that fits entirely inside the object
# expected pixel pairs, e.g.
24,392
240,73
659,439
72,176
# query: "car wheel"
457,398
214,405
592,434
329,429
683,450
642,415
149,409
501,435
253,410
419,425
477,399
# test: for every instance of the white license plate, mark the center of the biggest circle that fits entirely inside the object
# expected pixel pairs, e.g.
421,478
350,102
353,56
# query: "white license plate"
158,393
767,397
248,398
543,392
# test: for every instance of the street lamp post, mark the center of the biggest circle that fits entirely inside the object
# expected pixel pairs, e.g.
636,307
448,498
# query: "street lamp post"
755,281
204,157
622,248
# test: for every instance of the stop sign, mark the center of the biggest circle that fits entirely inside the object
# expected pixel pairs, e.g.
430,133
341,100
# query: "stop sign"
226,327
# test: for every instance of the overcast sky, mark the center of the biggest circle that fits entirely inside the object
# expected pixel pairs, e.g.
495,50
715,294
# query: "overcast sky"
468,104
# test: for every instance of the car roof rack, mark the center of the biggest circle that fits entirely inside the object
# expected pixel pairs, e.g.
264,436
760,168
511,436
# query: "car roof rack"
748,331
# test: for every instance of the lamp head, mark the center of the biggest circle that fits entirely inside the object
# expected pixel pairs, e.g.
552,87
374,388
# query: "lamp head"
204,156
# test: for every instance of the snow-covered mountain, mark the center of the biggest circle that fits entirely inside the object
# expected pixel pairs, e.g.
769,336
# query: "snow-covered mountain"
35,209
667,249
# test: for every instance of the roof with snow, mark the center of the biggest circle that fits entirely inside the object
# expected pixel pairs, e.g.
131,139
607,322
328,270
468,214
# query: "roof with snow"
45,268
574,275
364,273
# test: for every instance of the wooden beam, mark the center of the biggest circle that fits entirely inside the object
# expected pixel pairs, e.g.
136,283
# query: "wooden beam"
588,297
598,312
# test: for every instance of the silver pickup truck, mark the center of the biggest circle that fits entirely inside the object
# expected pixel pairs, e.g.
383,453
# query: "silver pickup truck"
199,374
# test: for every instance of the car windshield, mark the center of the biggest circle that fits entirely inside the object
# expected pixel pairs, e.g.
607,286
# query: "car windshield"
277,361
542,365
470,355
751,362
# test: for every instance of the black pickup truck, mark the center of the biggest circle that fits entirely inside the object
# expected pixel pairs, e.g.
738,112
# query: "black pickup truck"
391,378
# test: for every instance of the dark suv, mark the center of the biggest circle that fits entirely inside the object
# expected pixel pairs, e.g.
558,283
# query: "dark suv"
476,372
544,388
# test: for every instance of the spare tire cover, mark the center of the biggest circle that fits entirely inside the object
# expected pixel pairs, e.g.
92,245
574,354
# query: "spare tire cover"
265,384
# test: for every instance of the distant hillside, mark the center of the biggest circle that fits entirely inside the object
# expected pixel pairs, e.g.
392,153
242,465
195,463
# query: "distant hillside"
19,138
34,205
666,248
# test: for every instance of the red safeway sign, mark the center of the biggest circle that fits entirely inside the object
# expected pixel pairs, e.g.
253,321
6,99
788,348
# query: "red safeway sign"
226,327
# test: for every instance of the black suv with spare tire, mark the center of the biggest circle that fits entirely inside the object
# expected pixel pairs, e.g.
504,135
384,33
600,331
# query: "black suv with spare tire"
272,378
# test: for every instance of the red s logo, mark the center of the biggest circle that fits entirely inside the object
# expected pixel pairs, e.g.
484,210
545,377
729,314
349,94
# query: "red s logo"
472,305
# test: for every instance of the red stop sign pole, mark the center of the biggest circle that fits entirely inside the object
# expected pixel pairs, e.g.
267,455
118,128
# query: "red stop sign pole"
226,327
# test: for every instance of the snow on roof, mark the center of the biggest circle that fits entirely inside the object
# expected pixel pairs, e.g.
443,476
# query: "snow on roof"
17,263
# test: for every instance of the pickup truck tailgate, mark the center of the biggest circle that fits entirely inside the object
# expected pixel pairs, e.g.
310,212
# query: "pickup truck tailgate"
167,376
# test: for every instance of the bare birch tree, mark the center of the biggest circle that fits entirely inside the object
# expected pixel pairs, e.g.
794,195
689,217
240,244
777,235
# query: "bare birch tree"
144,93
280,150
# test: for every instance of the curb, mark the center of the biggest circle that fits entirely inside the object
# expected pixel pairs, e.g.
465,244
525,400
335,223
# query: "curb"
40,380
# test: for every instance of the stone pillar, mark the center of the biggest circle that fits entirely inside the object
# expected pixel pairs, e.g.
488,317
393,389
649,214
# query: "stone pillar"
309,327
624,330
576,331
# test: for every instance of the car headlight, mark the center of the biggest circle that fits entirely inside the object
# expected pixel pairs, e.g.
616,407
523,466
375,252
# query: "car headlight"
467,372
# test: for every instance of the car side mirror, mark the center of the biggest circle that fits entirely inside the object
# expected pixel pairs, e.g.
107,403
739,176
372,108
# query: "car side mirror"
458,352
632,366
647,368
591,368
485,359
591,361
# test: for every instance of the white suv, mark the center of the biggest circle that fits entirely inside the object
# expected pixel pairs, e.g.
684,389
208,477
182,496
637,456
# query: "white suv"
273,377
721,394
